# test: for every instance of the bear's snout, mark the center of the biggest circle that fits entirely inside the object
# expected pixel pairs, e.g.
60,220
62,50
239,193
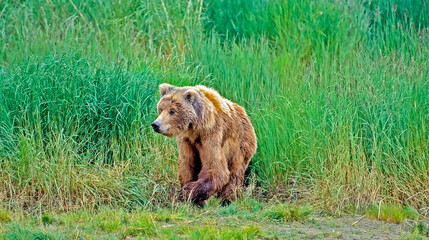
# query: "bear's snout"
155,126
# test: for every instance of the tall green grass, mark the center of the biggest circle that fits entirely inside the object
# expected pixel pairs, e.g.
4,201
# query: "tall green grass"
338,93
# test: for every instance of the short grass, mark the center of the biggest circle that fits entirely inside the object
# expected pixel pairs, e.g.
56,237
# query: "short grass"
286,213
338,93
242,220
421,230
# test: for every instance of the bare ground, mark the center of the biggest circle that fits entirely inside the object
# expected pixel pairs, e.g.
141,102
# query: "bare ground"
347,227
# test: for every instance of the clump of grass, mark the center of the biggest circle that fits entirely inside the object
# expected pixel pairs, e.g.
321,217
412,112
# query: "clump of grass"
135,223
286,213
231,209
251,232
391,213
421,229
19,232
110,220
141,223
252,205
167,215
5,216
47,219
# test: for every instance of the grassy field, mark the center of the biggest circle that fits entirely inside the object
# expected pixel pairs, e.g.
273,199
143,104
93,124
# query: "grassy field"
338,92
244,219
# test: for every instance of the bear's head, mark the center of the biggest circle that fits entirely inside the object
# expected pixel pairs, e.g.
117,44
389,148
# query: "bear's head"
180,109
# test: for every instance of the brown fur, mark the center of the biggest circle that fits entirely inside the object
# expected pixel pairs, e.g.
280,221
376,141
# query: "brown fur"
215,139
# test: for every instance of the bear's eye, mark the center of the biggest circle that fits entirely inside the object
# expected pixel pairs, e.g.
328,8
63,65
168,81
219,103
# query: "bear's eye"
171,112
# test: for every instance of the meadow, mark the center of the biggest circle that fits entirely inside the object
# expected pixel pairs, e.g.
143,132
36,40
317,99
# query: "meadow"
338,93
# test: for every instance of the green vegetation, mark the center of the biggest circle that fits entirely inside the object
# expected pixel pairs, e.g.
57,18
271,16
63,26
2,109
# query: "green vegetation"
180,221
4,216
391,213
338,92
286,213
244,219
421,229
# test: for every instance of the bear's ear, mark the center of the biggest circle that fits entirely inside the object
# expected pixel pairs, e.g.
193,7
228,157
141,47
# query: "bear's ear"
165,88
190,95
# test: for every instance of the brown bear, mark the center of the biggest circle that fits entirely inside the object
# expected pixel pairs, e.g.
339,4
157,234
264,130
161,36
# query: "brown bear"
215,140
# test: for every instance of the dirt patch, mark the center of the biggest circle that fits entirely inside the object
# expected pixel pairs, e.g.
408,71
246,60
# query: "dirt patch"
347,227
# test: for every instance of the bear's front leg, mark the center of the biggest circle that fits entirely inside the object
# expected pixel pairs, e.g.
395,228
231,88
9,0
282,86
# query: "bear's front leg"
188,164
212,178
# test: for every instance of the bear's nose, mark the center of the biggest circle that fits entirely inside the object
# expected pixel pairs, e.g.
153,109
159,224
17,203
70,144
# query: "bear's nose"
155,126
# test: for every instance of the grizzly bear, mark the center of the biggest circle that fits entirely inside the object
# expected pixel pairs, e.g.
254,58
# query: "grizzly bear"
215,140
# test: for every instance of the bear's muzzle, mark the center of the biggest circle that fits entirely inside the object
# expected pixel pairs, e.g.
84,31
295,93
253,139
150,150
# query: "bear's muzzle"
155,126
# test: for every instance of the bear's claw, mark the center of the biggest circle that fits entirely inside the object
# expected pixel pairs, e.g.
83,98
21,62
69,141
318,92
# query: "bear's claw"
193,192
